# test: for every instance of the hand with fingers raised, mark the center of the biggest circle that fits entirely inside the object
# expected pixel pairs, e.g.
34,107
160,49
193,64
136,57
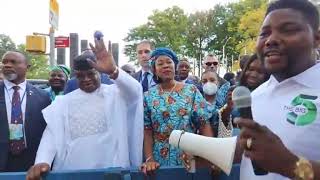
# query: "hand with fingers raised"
105,62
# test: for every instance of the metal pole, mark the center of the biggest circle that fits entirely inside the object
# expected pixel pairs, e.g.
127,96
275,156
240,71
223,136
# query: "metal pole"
232,60
83,45
52,47
74,47
61,55
223,53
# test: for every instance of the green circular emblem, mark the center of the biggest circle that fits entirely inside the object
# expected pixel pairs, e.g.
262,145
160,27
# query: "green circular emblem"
303,111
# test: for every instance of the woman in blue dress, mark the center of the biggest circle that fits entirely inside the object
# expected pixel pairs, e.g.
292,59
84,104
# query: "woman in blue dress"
171,105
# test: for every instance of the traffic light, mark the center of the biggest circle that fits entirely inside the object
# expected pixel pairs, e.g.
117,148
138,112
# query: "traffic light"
36,44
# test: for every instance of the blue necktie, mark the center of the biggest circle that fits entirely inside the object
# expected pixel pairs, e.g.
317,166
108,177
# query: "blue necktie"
145,82
17,145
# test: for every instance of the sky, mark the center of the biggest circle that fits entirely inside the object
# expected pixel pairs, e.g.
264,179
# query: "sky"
114,18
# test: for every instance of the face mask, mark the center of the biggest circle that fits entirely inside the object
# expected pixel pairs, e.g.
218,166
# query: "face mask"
10,77
210,88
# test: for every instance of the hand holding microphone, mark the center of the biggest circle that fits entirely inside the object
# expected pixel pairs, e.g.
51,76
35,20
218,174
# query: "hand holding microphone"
241,97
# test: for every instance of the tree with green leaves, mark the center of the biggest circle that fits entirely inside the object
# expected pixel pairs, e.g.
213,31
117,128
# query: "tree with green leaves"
200,33
232,28
249,27
39,63
164,28
6,44
39,68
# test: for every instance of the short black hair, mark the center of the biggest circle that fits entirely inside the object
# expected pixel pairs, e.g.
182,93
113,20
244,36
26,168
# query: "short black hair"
242,79
209,71
184,59
243,60
81,62
228,76
305,7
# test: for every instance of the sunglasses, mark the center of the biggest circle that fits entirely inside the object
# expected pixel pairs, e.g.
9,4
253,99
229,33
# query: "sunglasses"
143,51
212,63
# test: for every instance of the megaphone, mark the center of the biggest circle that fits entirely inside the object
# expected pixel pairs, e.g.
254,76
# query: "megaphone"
219,151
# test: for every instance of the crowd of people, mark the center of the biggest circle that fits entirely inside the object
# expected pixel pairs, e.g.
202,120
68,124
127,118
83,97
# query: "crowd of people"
105,116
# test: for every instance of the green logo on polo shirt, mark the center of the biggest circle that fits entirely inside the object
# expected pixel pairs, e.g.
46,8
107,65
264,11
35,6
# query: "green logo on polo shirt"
302,111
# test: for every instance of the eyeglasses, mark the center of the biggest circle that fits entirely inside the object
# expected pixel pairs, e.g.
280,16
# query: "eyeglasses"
212,63
143,51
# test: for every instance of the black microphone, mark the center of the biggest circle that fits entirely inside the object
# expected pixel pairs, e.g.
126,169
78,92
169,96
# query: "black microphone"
241,97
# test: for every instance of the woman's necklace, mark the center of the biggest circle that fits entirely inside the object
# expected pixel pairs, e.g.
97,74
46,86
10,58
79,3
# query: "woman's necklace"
167,98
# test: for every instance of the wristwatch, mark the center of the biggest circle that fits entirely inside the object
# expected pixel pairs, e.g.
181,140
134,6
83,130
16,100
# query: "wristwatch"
303,170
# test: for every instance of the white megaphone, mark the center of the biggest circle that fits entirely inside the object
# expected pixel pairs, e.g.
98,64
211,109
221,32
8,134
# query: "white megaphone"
219,151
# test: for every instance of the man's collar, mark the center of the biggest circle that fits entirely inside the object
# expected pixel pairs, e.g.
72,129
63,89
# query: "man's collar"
10,84
307,78
143,71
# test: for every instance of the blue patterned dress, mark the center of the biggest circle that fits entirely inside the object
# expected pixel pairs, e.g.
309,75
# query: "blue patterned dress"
182,109
222,94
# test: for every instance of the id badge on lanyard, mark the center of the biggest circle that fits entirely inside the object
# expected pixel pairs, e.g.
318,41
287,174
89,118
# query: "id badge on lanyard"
16,131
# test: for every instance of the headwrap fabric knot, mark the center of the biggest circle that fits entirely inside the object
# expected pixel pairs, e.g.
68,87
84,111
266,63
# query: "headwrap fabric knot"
62,68
163,51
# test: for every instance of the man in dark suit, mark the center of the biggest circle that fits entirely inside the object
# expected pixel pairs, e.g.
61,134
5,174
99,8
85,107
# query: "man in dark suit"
21,120
144,76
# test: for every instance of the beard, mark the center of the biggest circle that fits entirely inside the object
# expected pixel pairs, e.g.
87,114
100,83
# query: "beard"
10,77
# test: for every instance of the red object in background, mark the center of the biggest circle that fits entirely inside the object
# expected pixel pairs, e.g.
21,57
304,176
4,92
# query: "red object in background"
62,42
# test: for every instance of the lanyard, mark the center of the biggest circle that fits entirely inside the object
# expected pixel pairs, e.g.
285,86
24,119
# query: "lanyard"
10,98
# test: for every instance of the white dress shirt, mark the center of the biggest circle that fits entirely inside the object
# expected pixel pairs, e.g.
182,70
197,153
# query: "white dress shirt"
9,89
151,83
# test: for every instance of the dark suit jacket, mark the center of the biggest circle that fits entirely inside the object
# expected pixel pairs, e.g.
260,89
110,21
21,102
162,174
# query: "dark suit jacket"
137,75
72,84
37,99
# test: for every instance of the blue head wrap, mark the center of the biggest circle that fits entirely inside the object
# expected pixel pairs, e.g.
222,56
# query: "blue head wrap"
162,51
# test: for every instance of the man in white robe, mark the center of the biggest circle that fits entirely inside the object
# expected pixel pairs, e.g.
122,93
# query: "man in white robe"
95,126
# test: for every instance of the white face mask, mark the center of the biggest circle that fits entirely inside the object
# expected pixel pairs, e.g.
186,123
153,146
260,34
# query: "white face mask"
10,77
210,88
